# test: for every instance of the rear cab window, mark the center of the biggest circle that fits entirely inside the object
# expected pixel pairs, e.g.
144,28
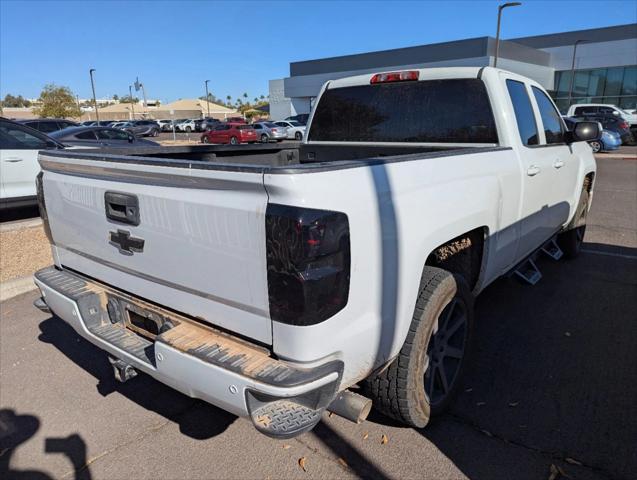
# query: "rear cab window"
428,111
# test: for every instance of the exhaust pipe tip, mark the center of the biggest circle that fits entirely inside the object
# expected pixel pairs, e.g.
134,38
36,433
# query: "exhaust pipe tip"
350,405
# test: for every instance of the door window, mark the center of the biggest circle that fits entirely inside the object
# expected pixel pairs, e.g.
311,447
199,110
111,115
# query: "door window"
551,120
523,112
48,127
15,137
112,135
87,135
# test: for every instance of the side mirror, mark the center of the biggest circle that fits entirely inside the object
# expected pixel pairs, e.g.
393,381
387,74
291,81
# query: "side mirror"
616,113
584,132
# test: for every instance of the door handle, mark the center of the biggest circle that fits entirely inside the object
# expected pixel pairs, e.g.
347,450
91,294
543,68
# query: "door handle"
533,170
558,163
13,159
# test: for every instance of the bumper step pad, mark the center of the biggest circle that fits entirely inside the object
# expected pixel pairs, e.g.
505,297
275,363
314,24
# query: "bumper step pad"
285,418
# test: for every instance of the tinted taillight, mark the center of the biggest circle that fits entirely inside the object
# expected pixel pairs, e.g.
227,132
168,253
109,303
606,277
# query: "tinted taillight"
39,188
308,256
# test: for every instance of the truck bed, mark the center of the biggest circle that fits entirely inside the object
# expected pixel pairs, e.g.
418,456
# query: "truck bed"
267,157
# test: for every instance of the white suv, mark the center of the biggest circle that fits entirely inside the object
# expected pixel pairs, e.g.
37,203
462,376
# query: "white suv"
587,109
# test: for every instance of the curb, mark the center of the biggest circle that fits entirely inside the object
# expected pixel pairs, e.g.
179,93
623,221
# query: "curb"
15,287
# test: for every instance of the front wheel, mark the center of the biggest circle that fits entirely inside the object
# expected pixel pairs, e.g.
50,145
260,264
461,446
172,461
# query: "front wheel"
188,129
234,141
205,139
264,138
424,378
596,146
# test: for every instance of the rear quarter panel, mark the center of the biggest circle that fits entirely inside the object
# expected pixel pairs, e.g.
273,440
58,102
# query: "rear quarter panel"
398,213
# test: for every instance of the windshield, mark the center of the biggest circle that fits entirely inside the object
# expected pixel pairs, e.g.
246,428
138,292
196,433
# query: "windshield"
432,111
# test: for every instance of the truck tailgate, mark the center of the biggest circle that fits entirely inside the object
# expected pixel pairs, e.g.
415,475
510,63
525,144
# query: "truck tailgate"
203,233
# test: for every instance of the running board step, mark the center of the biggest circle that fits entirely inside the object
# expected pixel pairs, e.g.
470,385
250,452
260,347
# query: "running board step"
552,250
529,272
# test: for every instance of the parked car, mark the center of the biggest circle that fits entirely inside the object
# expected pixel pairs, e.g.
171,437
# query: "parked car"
19,146
165,125
209,123
199,125
612,122
48,125
187,125
118,124
295,129
142,128
607,142
594,109
236,120
268,131
89,123
302,118
100,137
231,133
288,275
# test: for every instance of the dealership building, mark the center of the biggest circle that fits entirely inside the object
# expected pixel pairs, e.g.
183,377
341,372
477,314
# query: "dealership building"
605,66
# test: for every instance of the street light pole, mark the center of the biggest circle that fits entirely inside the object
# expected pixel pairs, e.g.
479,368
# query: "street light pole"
207,98
130,97
144,95
570,88
497,34
97,115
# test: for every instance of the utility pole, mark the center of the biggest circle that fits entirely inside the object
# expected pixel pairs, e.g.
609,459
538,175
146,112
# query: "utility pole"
497,34
141,85
130,97
570,88
97,115
207,98
79,109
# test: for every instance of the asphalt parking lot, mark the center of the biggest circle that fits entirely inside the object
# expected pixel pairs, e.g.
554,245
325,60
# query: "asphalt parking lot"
552,385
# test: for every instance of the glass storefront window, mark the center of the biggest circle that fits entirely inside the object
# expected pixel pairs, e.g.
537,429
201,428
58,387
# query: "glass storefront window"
616,85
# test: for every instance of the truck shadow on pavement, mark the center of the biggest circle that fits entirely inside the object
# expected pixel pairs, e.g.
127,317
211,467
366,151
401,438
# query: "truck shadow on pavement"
553,374
143,390
18,429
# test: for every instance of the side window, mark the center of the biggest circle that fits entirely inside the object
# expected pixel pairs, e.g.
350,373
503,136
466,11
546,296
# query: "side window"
48,127
523,112
551,120
87,135
257,127
607,111
16,138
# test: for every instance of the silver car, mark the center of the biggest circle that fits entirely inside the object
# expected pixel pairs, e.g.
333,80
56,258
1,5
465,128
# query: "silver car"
269,131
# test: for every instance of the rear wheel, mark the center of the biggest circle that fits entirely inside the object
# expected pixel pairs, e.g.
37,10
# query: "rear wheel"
423,379
264,138
234,141
188,129
298,136
596,146
572,239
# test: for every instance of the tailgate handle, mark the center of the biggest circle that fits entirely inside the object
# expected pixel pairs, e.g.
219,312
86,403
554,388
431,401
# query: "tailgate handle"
122,207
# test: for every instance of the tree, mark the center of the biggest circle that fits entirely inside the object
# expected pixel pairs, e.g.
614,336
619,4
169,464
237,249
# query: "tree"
116,97
262,97
11,101
229,99
245,95
57,102
127,99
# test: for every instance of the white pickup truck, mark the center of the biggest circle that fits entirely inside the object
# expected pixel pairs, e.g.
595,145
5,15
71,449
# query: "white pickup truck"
270,280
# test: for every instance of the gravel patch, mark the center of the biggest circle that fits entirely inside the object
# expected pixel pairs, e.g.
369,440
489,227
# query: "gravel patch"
22,252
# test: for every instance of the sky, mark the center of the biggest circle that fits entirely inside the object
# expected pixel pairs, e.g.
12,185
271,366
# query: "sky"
174,46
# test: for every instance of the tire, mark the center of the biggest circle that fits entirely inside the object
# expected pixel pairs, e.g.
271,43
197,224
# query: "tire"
570,241
596,146
204,139
155,133
411,389
298,136
188,129
264,138
234,141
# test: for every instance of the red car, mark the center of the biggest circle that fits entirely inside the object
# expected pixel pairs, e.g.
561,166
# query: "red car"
232,133
236,120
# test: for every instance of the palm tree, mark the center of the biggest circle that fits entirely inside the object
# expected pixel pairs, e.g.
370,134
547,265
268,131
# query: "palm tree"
229,98
262,97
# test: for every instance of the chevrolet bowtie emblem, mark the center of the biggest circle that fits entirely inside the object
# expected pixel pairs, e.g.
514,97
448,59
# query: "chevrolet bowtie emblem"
125,243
